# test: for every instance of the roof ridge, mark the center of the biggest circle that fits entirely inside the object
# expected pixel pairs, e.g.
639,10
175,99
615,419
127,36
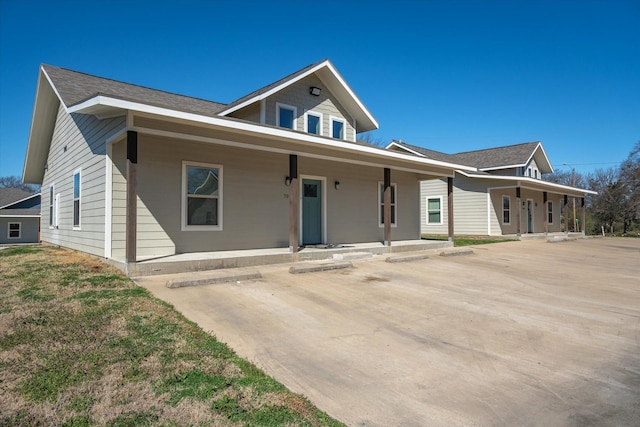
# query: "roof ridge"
129,84
496,148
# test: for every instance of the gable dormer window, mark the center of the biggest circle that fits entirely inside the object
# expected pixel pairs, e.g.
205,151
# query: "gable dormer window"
286,116
313,122
337,128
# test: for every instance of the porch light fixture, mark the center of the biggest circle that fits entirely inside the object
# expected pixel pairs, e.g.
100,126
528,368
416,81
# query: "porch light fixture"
337,185
287,181
315,91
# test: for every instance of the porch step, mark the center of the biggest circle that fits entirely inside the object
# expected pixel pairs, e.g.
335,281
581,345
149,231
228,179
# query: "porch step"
311,267
352,256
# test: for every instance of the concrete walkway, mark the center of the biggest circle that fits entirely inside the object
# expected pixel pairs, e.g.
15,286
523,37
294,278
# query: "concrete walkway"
518,333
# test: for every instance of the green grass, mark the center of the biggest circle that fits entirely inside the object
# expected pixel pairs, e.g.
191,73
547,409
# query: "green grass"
82,345
466,240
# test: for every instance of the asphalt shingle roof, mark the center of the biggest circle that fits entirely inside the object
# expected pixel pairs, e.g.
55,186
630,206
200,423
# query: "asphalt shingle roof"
9,196
75,87
489,158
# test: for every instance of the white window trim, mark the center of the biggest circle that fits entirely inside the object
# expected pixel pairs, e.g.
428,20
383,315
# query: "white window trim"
19,230
380,202
306,121
183,202
52,206
344,127
427,210
502,209
280,105
79,172
550,211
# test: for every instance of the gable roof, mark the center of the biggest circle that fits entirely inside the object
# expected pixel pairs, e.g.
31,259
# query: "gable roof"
509,156
328,74
74,87
17,202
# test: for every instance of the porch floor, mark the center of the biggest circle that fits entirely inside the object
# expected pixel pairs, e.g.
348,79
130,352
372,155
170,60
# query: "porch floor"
201,261
542,236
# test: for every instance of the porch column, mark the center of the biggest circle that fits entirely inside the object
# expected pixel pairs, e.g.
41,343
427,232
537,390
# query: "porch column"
584,217
565,207
132,196
449,207
546,212
387,207
294,203
518,212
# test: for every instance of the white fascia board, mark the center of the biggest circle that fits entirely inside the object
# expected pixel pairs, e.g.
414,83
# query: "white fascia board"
533,153
496,168
395,144
526,179
20,216
238,125
351,93
272,90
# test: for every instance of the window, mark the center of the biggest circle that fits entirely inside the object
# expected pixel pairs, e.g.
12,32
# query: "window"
550,211
313,122
535,173
381,204
202,196
529,172
337,128
286,116
14,230
76,199
52,220
434,210
506,210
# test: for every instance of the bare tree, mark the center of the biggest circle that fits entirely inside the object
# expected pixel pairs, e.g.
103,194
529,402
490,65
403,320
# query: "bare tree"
16,182
371,139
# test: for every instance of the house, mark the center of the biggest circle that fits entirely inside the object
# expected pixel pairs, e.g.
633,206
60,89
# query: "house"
131,173
19,216
504,195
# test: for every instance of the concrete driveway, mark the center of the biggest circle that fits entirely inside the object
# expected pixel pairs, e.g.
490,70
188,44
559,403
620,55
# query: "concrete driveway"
519,333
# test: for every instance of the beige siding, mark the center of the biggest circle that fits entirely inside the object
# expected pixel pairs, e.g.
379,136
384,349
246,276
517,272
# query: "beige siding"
470,206
119,200
78,142
434,188
250,113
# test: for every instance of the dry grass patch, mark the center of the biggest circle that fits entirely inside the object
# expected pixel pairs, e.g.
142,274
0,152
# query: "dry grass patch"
81,344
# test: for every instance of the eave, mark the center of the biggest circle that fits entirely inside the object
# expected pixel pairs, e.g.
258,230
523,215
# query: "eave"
521,181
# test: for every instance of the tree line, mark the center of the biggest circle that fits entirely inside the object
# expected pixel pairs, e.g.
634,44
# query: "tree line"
616,207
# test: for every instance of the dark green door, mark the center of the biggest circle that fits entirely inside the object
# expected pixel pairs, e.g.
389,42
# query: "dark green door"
311,211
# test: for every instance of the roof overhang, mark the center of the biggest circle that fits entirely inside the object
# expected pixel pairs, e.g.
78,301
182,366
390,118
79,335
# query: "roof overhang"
537,184
395,146
327,73
20,201
43,120
538,154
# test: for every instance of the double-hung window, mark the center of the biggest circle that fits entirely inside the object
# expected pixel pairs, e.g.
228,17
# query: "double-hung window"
549,211
313,122
202,196
337,128
381,204
52,218
506,210
76,199
286,116
14,230
434,210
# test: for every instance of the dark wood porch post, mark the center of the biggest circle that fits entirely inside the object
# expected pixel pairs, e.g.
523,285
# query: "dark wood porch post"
584,217
449,207
132,196
387,207
518,212
546,212
565,208
294,203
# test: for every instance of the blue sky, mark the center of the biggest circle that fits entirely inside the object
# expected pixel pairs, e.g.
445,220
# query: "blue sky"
447,75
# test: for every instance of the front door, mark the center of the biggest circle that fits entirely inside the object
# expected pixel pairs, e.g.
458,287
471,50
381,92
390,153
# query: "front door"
529,216
311,211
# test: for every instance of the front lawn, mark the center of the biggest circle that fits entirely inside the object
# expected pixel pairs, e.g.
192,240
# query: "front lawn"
81,345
